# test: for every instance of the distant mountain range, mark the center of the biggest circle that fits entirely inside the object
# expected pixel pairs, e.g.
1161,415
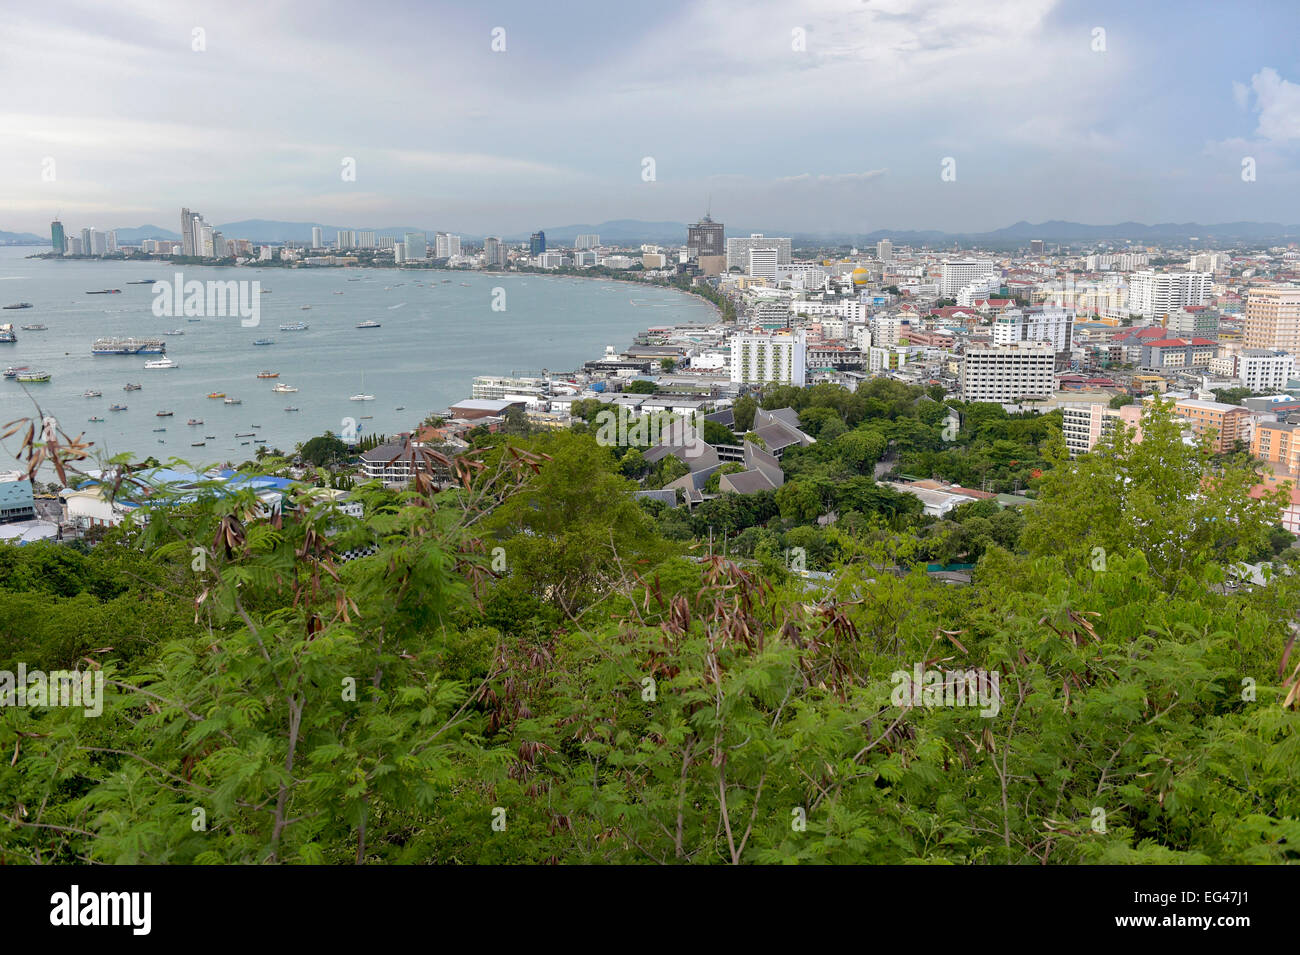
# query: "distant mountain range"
635,232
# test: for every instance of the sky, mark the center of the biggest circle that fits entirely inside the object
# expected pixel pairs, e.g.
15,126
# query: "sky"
779,115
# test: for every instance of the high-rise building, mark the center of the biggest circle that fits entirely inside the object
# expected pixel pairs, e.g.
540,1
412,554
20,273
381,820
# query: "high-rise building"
87,241
956,274
74,245
445,245
1154,295
738,249
1264,371
219,250
537,243
494,252
1006,374
187,232
589,240
1273,318
416,246
762,264
1035,246
705,238
1041,323
58,239
347,239
317,237
780,358
365,240
885,250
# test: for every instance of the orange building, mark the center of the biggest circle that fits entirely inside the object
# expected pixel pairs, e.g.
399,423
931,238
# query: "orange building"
1230,423
1277,444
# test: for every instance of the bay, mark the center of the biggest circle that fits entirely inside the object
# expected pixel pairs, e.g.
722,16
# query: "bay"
438,330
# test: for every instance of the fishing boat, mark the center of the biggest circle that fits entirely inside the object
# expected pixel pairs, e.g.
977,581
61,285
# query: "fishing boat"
210,437
294,327
245,434
37,327
13,370
306,308
197,444
117,407
282,389
233,401
194,421
161,364
264,341
92,393
370,324
130,387
401,408
7,334
163,414
33,377
94,419
193,319
19,305
156,430
367,417
143,282
291,408
242,443
362,398
175,331
216,394
107,291
268,374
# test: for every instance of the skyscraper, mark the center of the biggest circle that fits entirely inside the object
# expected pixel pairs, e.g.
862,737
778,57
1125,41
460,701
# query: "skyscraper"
317,237
885,250
494,253
58,241
187,232
537,243
416,246
705,238
589,240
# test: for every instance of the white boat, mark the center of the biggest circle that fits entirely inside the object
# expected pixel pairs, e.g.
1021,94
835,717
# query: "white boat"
92,393
362,398
283,389
163,363
370,324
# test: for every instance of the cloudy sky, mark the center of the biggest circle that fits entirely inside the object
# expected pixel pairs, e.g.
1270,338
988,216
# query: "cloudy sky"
792,115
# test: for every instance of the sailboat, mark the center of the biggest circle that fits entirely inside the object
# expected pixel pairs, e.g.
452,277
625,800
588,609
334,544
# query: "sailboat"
362,396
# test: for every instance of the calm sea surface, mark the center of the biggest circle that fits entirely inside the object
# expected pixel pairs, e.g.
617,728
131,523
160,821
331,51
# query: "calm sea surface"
435,336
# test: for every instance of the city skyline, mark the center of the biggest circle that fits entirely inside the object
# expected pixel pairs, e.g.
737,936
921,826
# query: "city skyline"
839,116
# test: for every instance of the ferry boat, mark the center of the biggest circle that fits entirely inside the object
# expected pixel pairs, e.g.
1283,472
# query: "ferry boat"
7,333
217,394
129,346
370,324
233,401
94,419
92,393
264,341
163,364
194,421
19,305
33,377
163,414
117,407
294,327
283,389
38,327
130,387
107,291
268,374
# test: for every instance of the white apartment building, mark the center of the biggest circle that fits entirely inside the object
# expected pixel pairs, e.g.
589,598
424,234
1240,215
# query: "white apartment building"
804,275
758,359
1264,371
588,240
1122,262
1040,323
416,246
738,249
1153,295
956,274
885,330
850,310
1083,424
365,240
762,264
885,250
1007,374
986,287
317,237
